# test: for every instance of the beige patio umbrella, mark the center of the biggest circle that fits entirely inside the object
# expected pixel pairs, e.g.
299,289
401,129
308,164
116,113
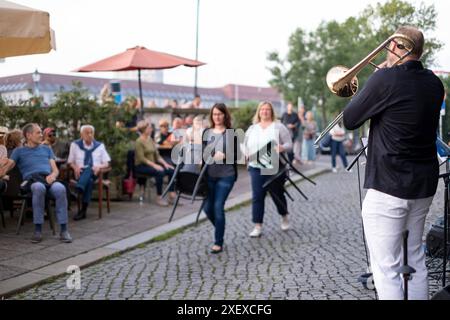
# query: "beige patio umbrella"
24,30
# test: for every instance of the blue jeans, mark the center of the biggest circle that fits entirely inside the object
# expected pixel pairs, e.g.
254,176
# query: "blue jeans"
58,191
259,194
308,152
159,176
337,147
218,191
85,184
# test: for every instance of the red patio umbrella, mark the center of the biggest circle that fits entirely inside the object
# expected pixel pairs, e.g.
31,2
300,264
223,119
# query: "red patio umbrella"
139,58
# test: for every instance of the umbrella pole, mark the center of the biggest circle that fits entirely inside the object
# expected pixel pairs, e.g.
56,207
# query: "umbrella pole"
140,94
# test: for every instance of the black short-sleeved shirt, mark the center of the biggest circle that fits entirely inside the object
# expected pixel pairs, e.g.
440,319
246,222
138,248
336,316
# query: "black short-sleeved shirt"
403,104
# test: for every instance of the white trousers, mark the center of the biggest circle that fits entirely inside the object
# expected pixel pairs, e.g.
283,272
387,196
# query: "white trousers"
385,218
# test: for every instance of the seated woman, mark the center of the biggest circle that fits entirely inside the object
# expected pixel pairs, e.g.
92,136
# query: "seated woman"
193,138
149,162
13,140
3,151
194,134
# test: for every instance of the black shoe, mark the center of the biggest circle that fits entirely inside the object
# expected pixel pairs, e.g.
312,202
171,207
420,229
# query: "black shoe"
80,215
37,237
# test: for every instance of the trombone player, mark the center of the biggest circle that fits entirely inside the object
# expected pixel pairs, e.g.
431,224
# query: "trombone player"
402,103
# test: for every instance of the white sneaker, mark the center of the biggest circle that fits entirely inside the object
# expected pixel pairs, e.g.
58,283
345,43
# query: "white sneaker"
334,170
256,233
285,224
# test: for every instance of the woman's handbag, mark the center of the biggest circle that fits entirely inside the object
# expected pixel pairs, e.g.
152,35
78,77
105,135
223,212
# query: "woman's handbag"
128,185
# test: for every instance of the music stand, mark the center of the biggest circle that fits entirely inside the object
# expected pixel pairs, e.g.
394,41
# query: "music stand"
405,269
444,153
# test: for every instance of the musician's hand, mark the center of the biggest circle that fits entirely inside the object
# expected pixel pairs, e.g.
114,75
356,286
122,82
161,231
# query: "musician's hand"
219,156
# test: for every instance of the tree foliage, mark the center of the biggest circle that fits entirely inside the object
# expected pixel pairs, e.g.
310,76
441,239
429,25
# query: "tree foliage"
243,116
311,54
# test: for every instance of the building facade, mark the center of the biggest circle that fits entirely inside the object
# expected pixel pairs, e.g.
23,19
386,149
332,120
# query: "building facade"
15,88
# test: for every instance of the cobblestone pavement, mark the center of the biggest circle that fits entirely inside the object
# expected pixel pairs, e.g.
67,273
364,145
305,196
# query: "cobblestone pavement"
321,257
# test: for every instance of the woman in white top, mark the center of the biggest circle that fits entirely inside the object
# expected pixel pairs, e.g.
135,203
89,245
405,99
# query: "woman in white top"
263,131
337,146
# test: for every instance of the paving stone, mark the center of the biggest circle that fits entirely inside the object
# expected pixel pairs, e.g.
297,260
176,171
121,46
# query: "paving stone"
320,258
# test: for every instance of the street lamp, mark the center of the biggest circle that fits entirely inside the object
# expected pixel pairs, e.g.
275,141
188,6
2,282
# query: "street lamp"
36,78
196,49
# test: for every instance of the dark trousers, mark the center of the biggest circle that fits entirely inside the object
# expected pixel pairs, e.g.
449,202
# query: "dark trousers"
276,190
337,147
218,191
2,187
159,176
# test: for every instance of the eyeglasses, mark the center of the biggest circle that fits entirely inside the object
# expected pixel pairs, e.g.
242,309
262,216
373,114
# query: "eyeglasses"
51,135
399,45
164,126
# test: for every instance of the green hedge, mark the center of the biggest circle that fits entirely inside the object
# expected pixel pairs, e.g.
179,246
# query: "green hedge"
68,112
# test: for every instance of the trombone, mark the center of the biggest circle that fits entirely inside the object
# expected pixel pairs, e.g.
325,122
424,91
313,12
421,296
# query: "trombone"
343,82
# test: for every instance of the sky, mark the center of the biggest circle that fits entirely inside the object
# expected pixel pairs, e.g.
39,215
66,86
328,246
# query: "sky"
235,36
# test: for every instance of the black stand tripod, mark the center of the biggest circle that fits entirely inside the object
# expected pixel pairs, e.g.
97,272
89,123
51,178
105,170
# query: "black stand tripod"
446,178
367,278
443,252
438,238
405,270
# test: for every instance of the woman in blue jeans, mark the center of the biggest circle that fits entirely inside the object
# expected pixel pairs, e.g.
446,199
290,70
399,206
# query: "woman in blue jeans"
337,146
222,173
266,129
149,162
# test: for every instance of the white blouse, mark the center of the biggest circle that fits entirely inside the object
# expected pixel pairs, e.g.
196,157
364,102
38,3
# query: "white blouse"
256,138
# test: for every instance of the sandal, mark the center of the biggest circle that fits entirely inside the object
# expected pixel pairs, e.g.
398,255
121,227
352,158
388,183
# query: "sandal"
216,251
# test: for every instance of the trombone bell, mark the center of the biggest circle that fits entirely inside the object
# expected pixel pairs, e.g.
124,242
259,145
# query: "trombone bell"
346,90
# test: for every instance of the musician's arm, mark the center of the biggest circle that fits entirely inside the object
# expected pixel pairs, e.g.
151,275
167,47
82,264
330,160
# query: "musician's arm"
370,101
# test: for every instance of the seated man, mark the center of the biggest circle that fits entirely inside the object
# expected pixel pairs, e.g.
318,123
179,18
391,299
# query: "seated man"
87,157
163,140
37,165
60,148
